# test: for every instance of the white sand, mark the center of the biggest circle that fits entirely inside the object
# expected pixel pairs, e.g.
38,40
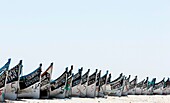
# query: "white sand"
110,99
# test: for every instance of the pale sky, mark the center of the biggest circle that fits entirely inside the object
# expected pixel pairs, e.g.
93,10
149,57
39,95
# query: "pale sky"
128,36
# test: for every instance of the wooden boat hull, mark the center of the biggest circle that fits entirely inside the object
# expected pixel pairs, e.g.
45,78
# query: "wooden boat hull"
97,91
32,91
158,91
11,90
12,84
45,91
116,87
45,82
113,92
91,90
29,85
58,93
102,91
83,90
126,85
147,91
3,78
76,91
159,87
108,88
166,90
132,91
138,91
83,86
125,90
2,94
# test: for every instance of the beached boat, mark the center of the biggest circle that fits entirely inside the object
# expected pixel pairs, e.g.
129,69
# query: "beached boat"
145,87
108,87
12,84
102,85
69,84
166,89
83,86
116,86
29,85
139,87
76,83
132,86
126,86
58,86
148,87
109,79
45,82
158,87
98,84
3,79
91,86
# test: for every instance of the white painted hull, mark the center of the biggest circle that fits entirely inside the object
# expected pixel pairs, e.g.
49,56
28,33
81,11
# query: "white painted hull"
91,90
138,91
30,92
108,88
158,91
102,91
125,87
113,92
83,89
150,91
76,91
132,91
97,91
11,90
147,91
2,94
125,90
166,90
58,93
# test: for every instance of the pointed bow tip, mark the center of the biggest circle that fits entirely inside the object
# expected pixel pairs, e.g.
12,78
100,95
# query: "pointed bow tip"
40,64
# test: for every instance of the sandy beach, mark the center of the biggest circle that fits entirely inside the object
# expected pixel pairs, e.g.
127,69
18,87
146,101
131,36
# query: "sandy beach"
109,99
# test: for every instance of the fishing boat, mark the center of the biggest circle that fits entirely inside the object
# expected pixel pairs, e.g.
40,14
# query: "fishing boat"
102,85
148,87
12,84
76,83
29,85
91,85
126,86
145,87
83,86
59,86
116,86
45,82
108,87
166,89
132,86
139,87
98,84
3,79
158,87
69,83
